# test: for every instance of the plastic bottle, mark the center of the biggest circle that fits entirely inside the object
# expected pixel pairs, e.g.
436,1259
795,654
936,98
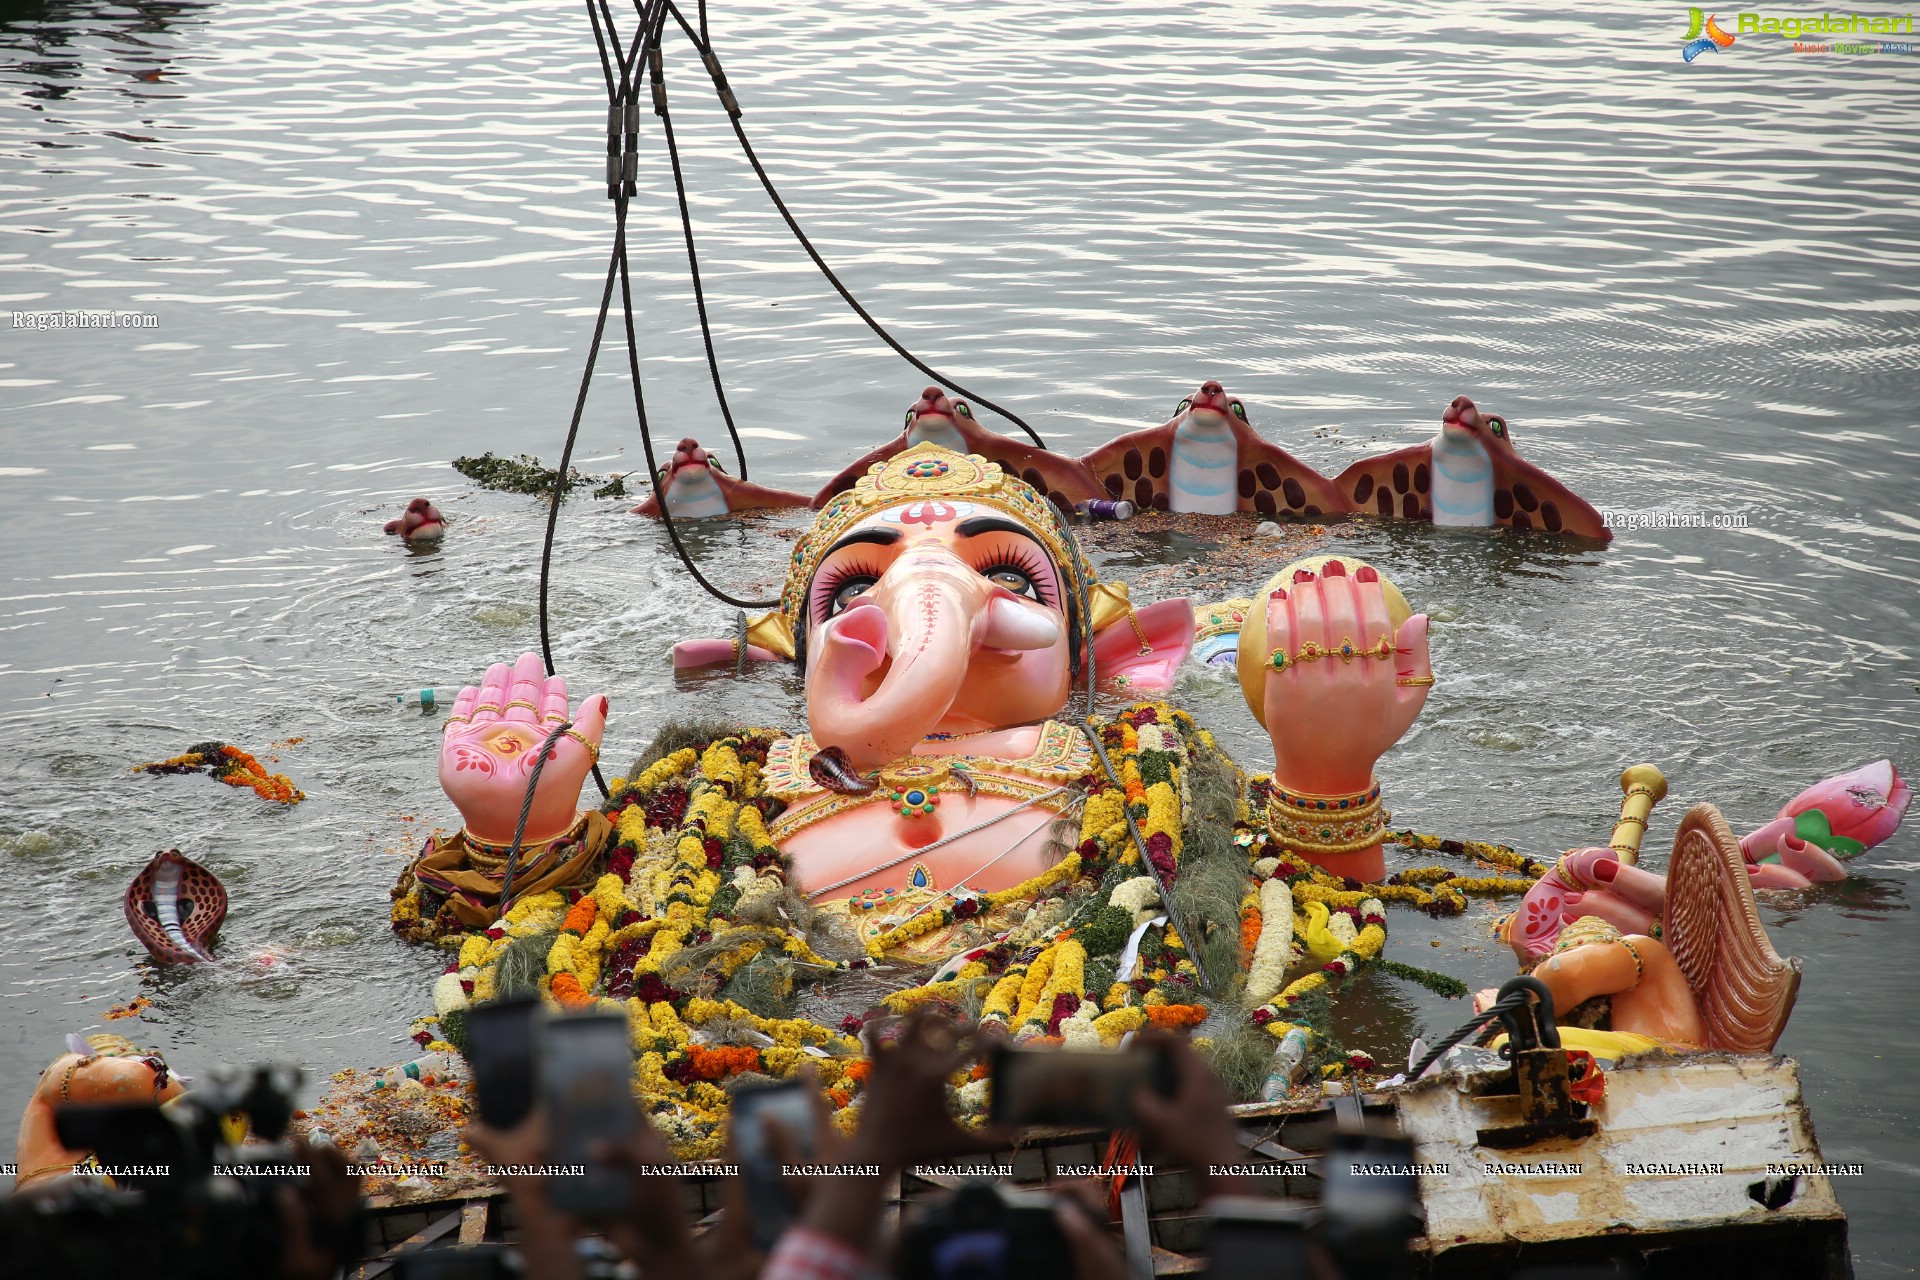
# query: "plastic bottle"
426,699
441,1066
1289,1064
1099,509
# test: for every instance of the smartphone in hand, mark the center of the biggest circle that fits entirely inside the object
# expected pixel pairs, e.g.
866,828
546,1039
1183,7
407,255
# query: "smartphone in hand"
1049,1085
786,1105
586,1082
500,1051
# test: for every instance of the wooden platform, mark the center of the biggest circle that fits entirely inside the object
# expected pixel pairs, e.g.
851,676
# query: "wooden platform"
1646,1194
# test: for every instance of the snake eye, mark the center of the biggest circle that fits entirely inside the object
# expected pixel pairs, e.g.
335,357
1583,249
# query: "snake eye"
1498,426
1239,410
1182,407
962,408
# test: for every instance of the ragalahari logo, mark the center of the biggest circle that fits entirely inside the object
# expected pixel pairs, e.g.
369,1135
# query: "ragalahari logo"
1703,35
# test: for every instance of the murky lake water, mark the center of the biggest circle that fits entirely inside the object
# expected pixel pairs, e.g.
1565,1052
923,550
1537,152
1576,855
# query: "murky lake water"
372,236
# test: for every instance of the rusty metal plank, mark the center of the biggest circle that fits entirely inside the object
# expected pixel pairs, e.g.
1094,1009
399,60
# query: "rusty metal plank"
473,1222
434,1230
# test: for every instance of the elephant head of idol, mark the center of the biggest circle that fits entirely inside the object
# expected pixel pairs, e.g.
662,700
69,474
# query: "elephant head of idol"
938,595
941,595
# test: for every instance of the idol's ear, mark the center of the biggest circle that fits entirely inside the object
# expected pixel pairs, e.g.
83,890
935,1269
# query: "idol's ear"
768,638
1142,648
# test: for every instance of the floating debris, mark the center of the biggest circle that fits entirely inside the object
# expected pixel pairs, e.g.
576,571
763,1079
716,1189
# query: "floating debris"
231,765
524,474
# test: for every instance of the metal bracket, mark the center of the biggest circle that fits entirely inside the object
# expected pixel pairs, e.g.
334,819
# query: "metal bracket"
1543,1081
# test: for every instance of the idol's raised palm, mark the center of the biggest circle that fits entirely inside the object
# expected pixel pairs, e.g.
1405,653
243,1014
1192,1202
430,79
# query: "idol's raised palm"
491,742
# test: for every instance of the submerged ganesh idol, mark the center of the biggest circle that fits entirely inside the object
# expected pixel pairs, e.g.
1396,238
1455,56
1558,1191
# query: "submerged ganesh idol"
943,815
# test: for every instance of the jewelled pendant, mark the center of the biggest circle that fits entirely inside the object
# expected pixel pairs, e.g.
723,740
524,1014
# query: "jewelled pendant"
915,788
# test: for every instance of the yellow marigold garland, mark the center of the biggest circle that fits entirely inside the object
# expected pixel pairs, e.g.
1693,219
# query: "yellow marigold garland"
691,838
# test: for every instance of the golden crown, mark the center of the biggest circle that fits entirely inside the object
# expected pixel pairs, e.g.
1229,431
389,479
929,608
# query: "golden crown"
928,473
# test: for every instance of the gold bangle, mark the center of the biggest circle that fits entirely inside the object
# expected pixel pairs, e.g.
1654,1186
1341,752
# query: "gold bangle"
1639,969
577,736
23,1179
1311,824
66,1081
1419,682
521,702
1346,651
491,859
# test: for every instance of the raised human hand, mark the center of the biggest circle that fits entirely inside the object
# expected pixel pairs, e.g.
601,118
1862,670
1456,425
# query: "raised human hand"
1347,685
1192,1126
904,1120
490,743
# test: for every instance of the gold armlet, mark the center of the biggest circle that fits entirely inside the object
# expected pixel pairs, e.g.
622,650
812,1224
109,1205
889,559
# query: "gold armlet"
491,859
1310,824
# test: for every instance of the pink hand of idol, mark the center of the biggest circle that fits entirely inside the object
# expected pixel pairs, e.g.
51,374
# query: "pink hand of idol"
1331,715
491,741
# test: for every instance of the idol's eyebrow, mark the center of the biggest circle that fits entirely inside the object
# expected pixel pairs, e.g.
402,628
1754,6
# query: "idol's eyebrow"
992,524
879,537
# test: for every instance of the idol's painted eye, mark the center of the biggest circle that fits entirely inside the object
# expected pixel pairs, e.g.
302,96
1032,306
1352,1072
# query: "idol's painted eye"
962,408
1239,410
838,585
846,589
1497,425
1013,579
911,415
1020,571
1182,407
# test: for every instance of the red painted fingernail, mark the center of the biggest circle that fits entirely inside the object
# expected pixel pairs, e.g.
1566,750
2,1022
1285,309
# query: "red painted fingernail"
1303,575
1279,593
1366,573
1334,569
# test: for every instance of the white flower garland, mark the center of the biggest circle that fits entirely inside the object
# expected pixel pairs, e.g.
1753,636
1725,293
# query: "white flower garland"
1344,930
1140,896
1274,952
1077,1032
448,994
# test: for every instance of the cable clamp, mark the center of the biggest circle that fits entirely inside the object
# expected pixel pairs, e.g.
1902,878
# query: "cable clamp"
720,85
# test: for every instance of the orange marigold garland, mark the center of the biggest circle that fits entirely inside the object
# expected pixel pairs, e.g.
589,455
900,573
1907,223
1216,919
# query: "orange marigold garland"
1250,924
1176,1016
231,765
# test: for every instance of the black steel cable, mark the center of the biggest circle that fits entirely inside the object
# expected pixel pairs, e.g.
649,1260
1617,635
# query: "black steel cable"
1499,1008
600,40
526,807
640,409
560,477
1192,940
658,73
727,100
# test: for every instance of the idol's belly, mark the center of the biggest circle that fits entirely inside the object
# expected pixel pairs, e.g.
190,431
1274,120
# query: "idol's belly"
867,848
